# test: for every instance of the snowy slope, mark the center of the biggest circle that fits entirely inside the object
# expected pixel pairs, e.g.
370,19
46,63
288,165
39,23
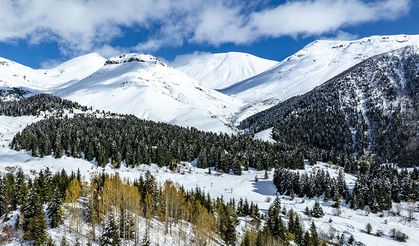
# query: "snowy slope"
13,74
76,68
313,65
146,87
218,184
217,71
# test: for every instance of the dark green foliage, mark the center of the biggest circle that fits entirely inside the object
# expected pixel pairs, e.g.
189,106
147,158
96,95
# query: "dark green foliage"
317,184
34,224
227,221
380,185
3,197
54,210
20,190
375,187
138,141
35,104
110,236
244,208
317,211
314,238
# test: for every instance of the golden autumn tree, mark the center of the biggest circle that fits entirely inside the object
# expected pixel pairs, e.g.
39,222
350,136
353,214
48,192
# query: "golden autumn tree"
203,224
72,194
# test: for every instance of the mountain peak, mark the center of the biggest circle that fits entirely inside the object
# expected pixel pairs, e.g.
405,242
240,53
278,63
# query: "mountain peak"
135,57
311,66
220,70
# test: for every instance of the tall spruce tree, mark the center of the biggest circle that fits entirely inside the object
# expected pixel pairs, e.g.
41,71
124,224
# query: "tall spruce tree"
3,198
110,236
54,210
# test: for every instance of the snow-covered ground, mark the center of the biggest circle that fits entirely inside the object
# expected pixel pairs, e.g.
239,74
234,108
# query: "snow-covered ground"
229,186
265,135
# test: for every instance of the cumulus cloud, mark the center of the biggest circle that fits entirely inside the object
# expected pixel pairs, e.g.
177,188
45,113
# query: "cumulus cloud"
321,16
89,25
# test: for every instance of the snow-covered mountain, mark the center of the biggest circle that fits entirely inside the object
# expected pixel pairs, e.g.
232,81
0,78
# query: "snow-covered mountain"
218,71
13,74
76,68
370,109
311,66
144,86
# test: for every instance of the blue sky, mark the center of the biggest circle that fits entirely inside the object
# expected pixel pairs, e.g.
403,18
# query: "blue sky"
41,33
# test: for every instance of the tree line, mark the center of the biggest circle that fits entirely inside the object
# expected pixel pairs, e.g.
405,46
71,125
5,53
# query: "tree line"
131,141
36,104
375,188
112,208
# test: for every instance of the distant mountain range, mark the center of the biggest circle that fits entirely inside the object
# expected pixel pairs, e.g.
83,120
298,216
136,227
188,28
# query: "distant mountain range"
212,92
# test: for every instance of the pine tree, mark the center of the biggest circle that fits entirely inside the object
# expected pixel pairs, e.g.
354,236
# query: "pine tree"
3,197
317,211
39,229
307,239
110,236
336,199
314,238
20,190
34,223
54,210
32,207
298,230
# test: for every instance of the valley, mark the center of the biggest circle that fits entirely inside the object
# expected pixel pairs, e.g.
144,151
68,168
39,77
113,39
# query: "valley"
214,149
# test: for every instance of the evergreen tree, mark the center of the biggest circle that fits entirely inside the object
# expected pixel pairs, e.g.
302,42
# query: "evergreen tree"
314,238
110,236
317,211
54,210
307,239
3,198
34,223
20,190
298,230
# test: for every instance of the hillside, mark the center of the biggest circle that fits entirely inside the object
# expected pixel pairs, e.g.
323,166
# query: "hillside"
15,75
146,87
218,71
369,110
313,65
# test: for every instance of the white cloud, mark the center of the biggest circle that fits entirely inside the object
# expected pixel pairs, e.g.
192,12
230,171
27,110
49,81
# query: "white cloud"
110,51
89,25
321,16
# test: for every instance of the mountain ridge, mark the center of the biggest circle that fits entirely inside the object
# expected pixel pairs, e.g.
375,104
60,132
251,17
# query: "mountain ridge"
368,110
311,66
